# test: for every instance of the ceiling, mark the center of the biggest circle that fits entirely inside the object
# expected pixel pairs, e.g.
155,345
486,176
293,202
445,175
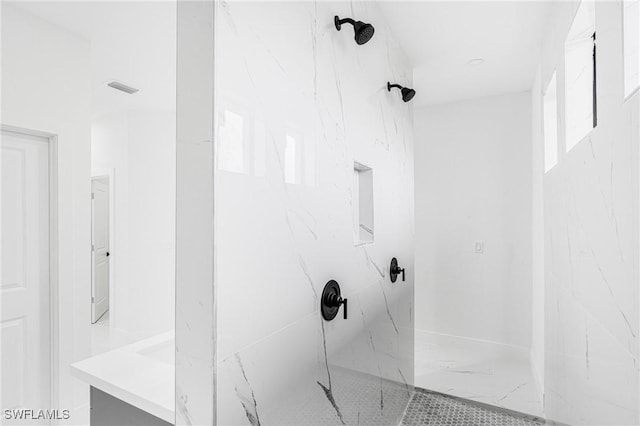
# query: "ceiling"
133,42
441,37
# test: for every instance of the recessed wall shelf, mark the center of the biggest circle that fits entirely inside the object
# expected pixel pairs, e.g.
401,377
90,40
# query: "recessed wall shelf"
362,204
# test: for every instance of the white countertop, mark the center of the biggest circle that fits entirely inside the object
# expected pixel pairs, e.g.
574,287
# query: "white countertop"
141,374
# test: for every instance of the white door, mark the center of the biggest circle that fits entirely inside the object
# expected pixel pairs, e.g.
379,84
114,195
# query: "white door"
100,245
25,357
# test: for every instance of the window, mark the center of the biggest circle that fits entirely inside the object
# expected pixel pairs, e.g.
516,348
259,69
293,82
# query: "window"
631,24
550,117
580,75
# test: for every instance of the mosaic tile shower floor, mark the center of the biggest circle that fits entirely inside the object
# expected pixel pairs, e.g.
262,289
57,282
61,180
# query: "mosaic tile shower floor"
430,409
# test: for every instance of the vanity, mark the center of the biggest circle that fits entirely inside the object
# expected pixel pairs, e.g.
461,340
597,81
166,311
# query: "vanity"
132,385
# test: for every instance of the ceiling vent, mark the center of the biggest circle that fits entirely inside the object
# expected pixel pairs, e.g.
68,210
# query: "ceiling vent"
122,87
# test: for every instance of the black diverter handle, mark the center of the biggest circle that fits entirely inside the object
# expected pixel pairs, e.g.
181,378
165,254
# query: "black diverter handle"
331,300
395,270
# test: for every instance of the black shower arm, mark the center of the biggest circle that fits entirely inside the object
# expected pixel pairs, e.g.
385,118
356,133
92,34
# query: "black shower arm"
346,20
390,86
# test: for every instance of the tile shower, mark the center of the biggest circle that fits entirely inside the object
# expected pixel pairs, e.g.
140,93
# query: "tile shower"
296,115
293,116
299,115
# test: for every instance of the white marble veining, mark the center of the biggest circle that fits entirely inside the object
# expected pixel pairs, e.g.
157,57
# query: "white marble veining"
297,104
141,374
591,240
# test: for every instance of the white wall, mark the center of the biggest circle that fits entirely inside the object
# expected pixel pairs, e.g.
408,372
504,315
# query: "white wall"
46,87
139,148
473,184
591,241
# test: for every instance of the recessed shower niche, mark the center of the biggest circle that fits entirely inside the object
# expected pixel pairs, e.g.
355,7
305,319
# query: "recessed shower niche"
362,204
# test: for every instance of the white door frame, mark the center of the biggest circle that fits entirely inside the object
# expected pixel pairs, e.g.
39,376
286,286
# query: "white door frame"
53,255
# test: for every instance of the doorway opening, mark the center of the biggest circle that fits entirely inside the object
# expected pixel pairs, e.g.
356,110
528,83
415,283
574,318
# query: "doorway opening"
100,248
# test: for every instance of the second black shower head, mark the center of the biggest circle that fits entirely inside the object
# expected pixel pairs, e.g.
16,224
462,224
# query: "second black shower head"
363,31
407,94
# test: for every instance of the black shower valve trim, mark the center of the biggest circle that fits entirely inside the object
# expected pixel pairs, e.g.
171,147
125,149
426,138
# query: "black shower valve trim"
331,300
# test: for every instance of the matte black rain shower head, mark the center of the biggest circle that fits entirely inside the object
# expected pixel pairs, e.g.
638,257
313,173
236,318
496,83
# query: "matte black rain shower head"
363,31
407,94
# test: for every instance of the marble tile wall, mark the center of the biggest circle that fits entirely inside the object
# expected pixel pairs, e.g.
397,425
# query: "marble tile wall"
591,241
296,104
195,290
